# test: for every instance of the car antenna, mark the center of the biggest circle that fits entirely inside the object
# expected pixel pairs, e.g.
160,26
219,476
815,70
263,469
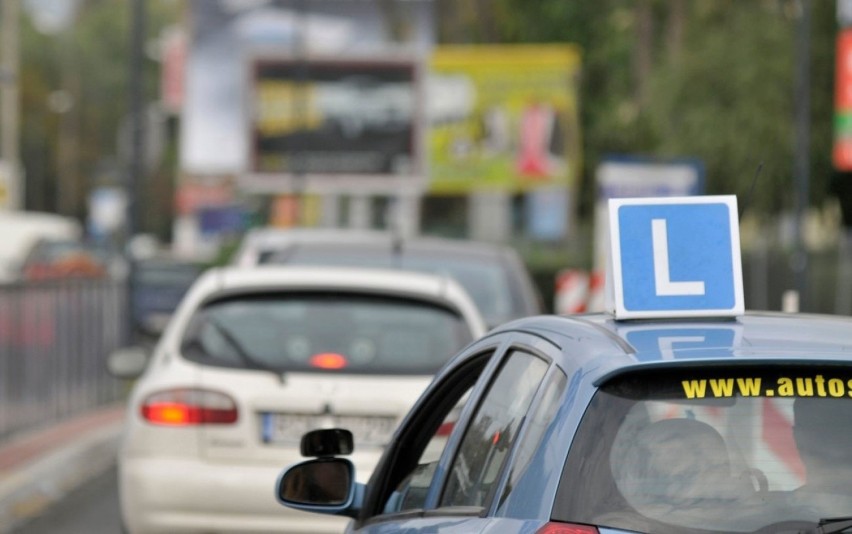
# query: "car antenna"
396,247
393,219
747,199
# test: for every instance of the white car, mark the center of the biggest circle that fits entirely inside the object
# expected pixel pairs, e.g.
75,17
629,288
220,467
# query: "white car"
255,357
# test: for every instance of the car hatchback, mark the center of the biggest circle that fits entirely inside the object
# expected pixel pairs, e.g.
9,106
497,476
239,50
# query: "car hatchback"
674,426
255,357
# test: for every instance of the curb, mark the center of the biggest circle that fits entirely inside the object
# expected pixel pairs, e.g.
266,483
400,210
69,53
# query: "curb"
39,469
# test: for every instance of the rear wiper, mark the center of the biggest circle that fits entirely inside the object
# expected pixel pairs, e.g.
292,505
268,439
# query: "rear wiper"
833,525
243,354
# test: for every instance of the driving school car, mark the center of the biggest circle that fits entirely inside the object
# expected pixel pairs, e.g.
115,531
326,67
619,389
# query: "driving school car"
675,412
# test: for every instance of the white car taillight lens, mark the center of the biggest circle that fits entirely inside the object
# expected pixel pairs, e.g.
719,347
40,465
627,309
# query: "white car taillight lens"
189,406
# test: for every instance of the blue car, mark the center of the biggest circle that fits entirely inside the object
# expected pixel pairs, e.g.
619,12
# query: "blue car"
584,424
676,411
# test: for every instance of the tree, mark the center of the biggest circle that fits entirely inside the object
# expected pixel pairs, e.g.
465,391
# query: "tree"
74,97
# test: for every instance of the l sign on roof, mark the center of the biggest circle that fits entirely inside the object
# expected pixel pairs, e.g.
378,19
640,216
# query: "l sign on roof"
675,257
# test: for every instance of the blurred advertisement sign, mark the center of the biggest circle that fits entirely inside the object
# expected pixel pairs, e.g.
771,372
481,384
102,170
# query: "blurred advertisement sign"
107,211
503,117
174,44
227,34
229,219
295,210
547,212
191,196
629,176
842,152
334,121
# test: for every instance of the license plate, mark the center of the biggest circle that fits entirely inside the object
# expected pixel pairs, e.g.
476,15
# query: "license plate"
287,429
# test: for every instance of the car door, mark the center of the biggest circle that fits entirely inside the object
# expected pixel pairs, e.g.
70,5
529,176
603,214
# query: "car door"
446,467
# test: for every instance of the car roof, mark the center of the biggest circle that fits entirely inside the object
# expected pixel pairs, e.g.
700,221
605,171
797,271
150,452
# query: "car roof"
604,347
223,282
232,278
264,239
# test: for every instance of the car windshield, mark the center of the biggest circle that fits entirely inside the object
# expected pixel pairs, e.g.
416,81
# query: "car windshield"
724,450
321,332
486,281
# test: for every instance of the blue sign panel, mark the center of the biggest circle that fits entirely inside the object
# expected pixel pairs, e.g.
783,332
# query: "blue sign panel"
676,257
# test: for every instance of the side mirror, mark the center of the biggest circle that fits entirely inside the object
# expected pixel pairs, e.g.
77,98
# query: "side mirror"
323,482
327,442
155,323
128,362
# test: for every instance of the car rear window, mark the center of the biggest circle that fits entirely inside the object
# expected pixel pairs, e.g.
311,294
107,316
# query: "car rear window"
730,449
485,280
319,332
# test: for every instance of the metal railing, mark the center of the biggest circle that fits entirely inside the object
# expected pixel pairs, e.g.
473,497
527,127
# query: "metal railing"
54,340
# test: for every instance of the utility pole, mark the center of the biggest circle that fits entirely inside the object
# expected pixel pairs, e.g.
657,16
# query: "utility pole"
137,152
9,102
803,143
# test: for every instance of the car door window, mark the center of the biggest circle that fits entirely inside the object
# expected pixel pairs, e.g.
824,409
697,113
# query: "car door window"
543,414
411,492
492,431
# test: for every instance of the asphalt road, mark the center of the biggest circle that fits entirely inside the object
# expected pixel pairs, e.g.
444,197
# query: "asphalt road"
91,509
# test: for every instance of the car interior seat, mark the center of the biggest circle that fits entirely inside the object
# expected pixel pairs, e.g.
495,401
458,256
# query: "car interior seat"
677,463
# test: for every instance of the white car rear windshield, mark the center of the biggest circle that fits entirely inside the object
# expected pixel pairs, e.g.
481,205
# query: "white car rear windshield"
728,449
337,333
486,281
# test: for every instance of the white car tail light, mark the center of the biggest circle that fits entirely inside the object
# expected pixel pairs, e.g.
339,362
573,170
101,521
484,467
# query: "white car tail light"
188,407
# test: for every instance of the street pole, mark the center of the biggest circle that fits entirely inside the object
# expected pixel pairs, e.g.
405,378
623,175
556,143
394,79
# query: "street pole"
802,148
137,152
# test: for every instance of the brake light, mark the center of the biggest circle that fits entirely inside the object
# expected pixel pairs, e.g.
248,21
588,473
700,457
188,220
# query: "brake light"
328,360
566,528
189,406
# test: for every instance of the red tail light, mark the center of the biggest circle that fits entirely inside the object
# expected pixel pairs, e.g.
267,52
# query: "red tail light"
189,406
328,360
566,528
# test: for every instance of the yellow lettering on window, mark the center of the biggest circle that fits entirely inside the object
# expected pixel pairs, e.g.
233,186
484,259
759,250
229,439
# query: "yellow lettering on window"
722,388
749,387
694,389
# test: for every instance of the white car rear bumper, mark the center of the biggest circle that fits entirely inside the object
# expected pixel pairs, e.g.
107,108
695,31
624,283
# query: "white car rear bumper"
174,495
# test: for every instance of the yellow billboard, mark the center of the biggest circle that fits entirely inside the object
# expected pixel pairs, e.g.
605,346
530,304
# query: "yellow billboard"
503,117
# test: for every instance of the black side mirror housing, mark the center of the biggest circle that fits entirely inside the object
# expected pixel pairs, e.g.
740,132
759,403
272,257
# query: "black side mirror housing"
327,442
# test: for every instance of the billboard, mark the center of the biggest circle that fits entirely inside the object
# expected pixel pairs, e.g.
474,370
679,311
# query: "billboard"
225,35
338,122
503,117
842,153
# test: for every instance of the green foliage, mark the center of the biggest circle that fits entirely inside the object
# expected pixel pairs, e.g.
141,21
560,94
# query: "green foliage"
729,100
90,61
